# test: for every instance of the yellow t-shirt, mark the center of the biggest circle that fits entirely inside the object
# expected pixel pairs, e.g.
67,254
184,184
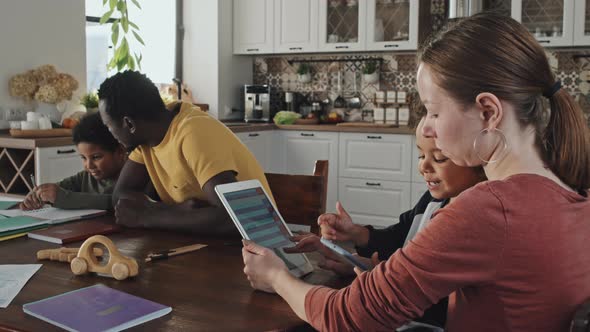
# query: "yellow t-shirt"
196,148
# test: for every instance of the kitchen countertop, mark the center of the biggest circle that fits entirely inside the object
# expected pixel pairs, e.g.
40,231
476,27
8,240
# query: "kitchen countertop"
6,141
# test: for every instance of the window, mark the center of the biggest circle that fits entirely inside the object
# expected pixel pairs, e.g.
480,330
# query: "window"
157,27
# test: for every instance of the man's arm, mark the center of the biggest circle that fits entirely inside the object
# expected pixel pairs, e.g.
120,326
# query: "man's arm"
133,179
204,217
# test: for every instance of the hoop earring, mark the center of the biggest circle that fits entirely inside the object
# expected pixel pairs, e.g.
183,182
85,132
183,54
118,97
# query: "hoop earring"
503,142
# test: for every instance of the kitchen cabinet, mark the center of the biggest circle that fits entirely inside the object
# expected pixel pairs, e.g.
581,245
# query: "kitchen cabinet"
53,164
392,25
374,176
374,202
550,21
253,26
296,26
300,150
582,23
342,25
259,143
375,156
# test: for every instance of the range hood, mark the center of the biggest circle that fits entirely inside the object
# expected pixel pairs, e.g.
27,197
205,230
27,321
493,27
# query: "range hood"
464,8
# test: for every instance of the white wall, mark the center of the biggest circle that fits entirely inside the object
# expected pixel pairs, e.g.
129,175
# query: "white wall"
214,74
201,51
34,33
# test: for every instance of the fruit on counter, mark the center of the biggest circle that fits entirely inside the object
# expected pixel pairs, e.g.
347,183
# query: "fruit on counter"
311,116
70,123
334,117
286,117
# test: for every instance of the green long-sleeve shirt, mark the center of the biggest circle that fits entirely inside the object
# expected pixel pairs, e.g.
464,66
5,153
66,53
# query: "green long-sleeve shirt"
83,191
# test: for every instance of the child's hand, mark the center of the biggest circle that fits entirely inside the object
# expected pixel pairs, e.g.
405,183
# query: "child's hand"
31,202
374,261
339,227
47,192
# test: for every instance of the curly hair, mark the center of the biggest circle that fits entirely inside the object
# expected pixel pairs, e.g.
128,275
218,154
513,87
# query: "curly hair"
131,94
92,130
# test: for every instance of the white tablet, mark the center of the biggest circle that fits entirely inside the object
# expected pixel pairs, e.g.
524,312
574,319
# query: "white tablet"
258,219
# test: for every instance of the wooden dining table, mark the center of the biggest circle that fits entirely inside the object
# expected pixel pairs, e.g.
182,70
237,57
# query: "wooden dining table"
206,289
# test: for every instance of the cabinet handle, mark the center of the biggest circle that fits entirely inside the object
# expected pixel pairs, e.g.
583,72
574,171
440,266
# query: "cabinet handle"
390,45
341,46
253,135
544,41
374,184
307,135
66,151
295,48
252,50
374,137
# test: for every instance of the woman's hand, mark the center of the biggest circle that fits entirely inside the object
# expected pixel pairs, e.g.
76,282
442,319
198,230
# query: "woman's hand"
339,227
262,266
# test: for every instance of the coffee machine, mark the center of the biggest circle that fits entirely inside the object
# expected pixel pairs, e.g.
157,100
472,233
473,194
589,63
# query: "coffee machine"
257,103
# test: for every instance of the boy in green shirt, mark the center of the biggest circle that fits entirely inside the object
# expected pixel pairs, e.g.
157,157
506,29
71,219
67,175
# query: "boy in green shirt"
102,156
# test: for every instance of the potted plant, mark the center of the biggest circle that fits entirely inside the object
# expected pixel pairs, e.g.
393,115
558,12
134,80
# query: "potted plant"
304,73
90,101
370,74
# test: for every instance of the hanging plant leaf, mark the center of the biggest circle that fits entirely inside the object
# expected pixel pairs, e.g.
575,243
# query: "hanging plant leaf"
136,3
112,4
133,25
121,6
105,17
104,2
125,23
138,38
131,63
115,34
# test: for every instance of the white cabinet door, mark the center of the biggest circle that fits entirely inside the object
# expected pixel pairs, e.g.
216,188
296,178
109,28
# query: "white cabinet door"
375,156
418,189
374,202
296,26
342,25
550,21
56,163
392,25
302,148
258,142
582,23
416,176
253,26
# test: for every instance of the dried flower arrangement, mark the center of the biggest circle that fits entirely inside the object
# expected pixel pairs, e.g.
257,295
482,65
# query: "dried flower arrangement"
43,84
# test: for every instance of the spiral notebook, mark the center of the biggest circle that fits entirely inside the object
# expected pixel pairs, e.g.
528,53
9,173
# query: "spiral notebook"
96,308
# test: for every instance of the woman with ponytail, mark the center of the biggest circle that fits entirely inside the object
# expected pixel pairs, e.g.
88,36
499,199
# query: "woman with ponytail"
512,252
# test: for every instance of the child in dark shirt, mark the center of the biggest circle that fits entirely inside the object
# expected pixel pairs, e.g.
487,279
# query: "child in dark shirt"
102,157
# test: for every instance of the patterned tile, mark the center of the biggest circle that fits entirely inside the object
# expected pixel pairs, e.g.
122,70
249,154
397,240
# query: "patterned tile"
260,65
274,65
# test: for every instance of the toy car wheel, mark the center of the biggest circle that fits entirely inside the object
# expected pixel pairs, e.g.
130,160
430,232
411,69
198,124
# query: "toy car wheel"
79,266
120,271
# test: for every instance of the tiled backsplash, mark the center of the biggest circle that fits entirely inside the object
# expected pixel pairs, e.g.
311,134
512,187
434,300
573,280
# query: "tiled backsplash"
397,72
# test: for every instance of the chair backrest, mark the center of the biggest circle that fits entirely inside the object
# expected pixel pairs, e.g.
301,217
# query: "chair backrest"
301,199
581,320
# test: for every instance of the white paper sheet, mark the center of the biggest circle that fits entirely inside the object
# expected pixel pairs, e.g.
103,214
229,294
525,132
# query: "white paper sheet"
12,279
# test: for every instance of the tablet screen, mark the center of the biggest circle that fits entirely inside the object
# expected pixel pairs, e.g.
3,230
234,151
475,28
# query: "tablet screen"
262,223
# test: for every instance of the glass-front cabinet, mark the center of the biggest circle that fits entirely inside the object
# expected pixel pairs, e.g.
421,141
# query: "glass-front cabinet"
550,21
342,25
582,23
503,7
392,25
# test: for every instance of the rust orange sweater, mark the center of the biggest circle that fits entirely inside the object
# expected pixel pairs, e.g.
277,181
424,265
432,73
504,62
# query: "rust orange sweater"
513,254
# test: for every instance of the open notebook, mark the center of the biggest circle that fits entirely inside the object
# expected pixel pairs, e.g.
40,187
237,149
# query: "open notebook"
51,215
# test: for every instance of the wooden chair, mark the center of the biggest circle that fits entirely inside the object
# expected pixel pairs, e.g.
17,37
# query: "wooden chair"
581,320
301,199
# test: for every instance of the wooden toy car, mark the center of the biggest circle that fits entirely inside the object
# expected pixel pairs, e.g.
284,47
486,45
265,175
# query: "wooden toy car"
119,267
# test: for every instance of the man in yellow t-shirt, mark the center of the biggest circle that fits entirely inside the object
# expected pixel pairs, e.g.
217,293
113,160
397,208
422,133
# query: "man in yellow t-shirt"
184,152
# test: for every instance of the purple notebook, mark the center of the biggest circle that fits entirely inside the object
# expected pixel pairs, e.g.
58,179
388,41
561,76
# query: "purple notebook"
95,308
